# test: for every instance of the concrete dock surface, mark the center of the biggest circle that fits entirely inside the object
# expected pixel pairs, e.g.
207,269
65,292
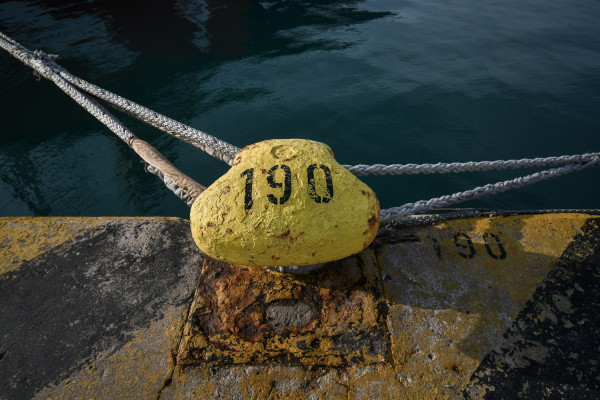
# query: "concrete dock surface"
129,308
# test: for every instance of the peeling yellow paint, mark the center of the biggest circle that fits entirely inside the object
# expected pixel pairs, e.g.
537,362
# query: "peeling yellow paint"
24,238
380,382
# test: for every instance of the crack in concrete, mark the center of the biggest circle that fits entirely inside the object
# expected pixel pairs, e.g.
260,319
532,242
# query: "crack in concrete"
173,355
167,381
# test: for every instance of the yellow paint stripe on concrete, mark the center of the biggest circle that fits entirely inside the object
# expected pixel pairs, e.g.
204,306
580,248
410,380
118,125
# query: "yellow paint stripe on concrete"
24,238
257,382
138,370
457,290
452,294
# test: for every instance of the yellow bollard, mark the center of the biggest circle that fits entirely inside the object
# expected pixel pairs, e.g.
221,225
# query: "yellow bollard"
285,202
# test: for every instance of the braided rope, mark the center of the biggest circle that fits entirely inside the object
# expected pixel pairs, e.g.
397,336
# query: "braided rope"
471,166
38,60
44,65
203,141
172,186
40,63
481,191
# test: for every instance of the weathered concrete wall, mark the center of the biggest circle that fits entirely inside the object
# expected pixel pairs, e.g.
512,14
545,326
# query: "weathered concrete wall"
502,307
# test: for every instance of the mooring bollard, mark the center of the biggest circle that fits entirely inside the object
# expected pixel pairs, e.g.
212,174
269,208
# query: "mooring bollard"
285,202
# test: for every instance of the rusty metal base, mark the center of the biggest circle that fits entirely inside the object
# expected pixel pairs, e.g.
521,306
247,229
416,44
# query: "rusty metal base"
248,315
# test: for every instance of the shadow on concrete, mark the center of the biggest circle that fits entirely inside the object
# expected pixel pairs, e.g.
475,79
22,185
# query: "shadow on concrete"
471,315
86,297
489,308
551,349
531,319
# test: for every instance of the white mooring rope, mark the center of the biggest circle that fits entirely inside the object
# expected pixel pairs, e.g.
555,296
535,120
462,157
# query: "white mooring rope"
482,191
45,65
205,142
470,166
179,183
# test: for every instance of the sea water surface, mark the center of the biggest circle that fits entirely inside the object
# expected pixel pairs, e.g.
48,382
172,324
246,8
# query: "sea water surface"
379,81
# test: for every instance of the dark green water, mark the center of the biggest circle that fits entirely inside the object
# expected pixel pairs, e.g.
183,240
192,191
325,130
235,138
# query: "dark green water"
379,81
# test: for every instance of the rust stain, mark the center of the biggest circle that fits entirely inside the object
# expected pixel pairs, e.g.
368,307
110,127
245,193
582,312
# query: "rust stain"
373,223
294,238
247,327
249,315
373,220
257,334
284,235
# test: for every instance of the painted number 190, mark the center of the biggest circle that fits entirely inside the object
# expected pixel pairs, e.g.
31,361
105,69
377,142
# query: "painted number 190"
287,185
465,247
